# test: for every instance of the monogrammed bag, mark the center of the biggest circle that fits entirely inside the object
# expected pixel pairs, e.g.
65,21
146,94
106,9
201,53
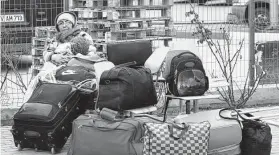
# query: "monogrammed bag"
176,139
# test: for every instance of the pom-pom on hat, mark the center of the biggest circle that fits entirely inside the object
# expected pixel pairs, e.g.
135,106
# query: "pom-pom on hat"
67,15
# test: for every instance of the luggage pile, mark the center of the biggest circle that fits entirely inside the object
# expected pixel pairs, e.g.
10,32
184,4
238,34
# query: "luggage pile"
55,111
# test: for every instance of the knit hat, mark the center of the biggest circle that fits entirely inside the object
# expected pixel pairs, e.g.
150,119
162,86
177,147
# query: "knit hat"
67,15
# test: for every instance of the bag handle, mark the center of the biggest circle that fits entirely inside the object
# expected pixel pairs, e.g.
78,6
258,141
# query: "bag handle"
184,129
127,64
82,83
115,73
108,114
231,118
105,127
186,52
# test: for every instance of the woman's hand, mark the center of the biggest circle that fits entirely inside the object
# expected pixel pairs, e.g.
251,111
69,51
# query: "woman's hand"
60,58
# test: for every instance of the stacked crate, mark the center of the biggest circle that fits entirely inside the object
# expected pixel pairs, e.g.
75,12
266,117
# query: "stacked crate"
39,43
112,21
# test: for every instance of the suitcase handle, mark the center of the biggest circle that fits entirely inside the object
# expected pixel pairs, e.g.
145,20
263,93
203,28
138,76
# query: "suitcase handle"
32,134
108,114
184,129
105,127
127,64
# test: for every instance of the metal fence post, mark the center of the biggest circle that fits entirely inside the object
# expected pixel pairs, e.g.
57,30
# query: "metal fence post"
66,5
251,42
273,13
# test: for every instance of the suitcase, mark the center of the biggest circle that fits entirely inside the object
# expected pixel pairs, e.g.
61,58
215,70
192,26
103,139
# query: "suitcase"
155,61
225,135
44,122
120,53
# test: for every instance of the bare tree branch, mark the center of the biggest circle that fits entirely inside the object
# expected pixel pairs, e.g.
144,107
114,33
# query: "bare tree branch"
226,61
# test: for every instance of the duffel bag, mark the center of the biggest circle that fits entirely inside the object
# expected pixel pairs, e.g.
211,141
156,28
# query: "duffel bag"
176,139
94,135
124,88
256,135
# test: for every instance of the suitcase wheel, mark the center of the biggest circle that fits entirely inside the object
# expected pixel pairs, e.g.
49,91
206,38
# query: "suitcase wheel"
53,150
19,147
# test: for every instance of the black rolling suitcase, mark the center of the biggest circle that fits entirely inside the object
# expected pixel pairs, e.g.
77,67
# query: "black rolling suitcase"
44,122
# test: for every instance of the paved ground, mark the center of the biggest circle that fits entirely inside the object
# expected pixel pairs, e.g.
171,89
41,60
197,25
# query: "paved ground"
8,148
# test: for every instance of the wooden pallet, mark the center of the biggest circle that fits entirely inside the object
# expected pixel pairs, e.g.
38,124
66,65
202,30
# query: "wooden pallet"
122,13
39,42
117,25
101,44
45,32
37,60
123,35
37,51
162,32
136,33
116,3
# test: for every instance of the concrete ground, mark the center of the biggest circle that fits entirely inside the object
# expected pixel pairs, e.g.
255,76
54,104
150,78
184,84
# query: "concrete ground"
8,147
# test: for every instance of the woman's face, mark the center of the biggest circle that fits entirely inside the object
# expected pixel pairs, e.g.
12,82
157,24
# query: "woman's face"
64,25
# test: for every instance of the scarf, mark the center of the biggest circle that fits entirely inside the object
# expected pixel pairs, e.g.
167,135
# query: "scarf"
66,36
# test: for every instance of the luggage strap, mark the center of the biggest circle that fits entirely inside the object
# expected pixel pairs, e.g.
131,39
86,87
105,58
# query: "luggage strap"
111,115
238,115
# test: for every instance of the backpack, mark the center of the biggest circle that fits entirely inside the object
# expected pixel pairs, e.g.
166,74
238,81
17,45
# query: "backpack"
187,76
74,73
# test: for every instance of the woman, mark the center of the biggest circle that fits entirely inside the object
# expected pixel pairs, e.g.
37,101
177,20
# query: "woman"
65,42
66,25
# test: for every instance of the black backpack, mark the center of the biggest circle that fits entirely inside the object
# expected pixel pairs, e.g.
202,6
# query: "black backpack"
74,73
187,76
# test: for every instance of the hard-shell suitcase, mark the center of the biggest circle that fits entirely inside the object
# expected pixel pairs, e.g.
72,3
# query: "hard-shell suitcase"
156,59
120,53
225,135
44,122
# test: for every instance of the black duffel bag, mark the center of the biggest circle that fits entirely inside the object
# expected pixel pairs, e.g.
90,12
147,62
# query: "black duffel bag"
124,88
256,138
256,135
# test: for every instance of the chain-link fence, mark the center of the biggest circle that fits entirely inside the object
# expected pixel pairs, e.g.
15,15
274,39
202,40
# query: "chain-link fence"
18,21
162,21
